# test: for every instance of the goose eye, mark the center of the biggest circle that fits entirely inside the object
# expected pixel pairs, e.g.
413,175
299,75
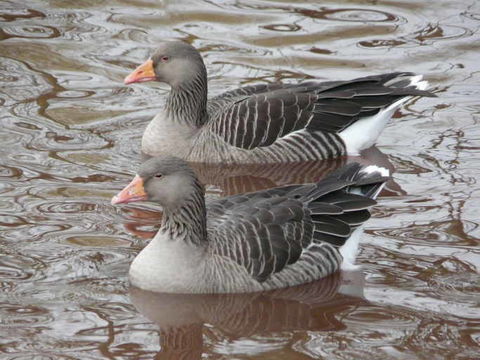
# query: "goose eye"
158,175
164,58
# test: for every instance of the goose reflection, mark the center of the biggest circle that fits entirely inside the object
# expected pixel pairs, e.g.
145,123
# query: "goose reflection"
226,180
184,318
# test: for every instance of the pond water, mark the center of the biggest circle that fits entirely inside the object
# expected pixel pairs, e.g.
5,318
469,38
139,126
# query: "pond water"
70,133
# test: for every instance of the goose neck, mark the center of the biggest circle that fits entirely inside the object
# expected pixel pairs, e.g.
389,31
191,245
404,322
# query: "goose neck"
187,101
188,222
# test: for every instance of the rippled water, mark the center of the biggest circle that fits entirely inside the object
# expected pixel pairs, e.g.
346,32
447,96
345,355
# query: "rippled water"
70,133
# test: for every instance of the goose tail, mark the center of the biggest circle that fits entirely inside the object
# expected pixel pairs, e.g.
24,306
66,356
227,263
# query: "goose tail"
369,182
364,132
340,206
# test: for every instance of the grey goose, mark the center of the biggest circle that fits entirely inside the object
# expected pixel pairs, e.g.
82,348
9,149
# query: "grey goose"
266,123
257,241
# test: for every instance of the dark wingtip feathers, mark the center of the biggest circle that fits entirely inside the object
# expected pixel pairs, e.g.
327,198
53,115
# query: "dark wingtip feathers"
341,201
353,181
357,174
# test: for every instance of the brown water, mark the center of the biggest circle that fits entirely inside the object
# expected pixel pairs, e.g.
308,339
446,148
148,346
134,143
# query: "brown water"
70,135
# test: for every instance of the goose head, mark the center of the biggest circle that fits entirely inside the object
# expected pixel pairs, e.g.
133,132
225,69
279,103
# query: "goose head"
174,63
166,180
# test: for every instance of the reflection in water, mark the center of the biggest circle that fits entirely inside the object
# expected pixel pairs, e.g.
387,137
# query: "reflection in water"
70,134
182,319
237,179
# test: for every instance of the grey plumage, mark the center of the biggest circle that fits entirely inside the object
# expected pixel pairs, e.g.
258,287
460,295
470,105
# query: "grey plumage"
268,230
257,116
263,123
258,241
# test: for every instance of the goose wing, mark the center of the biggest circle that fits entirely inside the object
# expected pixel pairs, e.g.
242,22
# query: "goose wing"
257,116
268,230
263,234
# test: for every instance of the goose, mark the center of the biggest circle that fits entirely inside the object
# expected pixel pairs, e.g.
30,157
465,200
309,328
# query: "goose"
266,123
257,241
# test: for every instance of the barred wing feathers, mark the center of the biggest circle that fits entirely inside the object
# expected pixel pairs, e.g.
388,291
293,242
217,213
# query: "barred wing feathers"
256,116
262,234
267,231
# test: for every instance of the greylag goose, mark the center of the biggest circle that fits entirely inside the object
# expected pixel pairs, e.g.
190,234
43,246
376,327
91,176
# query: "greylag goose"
249,242
266,123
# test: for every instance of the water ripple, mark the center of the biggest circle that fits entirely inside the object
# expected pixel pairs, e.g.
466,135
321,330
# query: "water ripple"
18,267
350,15
70,133
429,34
13,12
47,32
16,314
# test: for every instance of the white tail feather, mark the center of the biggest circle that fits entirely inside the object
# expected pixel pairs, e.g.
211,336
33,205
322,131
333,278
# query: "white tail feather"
350,249
370,169
364,133
418,83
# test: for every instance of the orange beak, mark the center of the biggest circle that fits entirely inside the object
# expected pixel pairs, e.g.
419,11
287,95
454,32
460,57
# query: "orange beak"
132,192
142,73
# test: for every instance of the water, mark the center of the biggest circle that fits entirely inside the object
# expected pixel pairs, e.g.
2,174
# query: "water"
70,133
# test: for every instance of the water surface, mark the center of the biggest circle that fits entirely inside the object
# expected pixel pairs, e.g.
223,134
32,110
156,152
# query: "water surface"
70,133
